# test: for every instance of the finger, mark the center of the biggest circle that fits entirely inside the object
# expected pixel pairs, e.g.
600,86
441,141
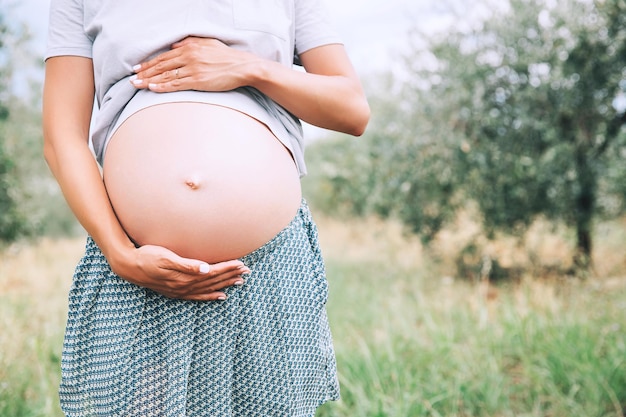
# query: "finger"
215,283
154,62
185,41
214,296
186,266
167,82
168,77
197,267
235,266
190,40
170,80
164,74
166,61
219,279
202,289
211,288
204,268
189,287
193,41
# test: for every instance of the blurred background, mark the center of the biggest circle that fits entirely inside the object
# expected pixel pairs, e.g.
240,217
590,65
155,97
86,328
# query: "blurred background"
475,235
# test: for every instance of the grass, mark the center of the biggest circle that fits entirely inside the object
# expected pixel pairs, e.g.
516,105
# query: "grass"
411,339
33,285
452,352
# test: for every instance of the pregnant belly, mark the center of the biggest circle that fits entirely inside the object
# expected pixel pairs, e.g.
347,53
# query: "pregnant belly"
205,181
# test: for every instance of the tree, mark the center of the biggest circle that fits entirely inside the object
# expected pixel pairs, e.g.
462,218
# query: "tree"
12,222
399,168
536,92
520,113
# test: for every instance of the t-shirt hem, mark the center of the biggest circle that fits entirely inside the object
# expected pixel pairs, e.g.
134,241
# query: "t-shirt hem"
66,51
233,99
307,46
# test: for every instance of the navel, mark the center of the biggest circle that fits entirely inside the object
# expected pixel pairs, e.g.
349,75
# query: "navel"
193,182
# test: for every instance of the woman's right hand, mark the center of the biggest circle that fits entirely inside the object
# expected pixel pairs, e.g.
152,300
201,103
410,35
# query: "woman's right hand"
67,108
173,276
68,98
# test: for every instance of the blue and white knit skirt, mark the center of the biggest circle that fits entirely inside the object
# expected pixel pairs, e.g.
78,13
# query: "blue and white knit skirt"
265,351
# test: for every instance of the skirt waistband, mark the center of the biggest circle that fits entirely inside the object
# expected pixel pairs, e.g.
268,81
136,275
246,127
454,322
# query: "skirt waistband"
301,217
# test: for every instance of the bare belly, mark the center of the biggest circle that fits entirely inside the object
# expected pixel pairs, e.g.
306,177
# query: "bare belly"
205,181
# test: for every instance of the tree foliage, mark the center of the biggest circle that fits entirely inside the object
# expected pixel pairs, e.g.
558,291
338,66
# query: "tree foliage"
537,109
11,221
30,200
520,114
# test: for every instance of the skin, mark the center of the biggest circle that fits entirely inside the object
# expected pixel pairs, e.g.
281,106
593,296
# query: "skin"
328,95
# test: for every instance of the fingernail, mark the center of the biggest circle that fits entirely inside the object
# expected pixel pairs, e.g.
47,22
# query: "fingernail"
136,82
204,268
239,283
152,85
137,67
221,298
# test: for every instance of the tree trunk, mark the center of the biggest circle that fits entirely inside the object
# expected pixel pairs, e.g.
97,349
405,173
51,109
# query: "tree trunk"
584,212
582,257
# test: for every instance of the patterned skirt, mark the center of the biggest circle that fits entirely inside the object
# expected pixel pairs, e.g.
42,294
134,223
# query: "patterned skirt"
265,351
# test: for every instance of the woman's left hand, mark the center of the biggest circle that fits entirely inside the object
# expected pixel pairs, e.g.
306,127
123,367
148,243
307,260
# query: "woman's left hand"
203,64
328,94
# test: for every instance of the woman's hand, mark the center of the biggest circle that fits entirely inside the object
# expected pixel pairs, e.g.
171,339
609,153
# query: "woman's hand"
329,94
194,63
161,270
67,100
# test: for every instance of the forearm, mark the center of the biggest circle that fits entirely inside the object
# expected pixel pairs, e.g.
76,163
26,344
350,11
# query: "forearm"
67,106
328,94
334,102
150,266
78,176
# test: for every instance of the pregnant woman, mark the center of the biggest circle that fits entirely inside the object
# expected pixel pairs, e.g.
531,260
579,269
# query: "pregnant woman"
202,290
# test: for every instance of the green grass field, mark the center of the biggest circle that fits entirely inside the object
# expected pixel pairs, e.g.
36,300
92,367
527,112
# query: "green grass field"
411,340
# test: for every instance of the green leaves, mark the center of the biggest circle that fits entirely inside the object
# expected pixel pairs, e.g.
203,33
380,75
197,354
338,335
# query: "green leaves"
11,222
519,114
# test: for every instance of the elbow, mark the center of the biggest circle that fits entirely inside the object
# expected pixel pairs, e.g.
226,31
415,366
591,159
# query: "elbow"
49,154
48,149
359,119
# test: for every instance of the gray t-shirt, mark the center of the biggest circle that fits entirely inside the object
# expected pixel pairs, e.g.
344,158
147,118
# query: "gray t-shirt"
117,35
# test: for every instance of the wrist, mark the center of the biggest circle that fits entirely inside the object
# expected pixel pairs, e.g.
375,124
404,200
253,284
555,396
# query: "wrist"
259,73
120,255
